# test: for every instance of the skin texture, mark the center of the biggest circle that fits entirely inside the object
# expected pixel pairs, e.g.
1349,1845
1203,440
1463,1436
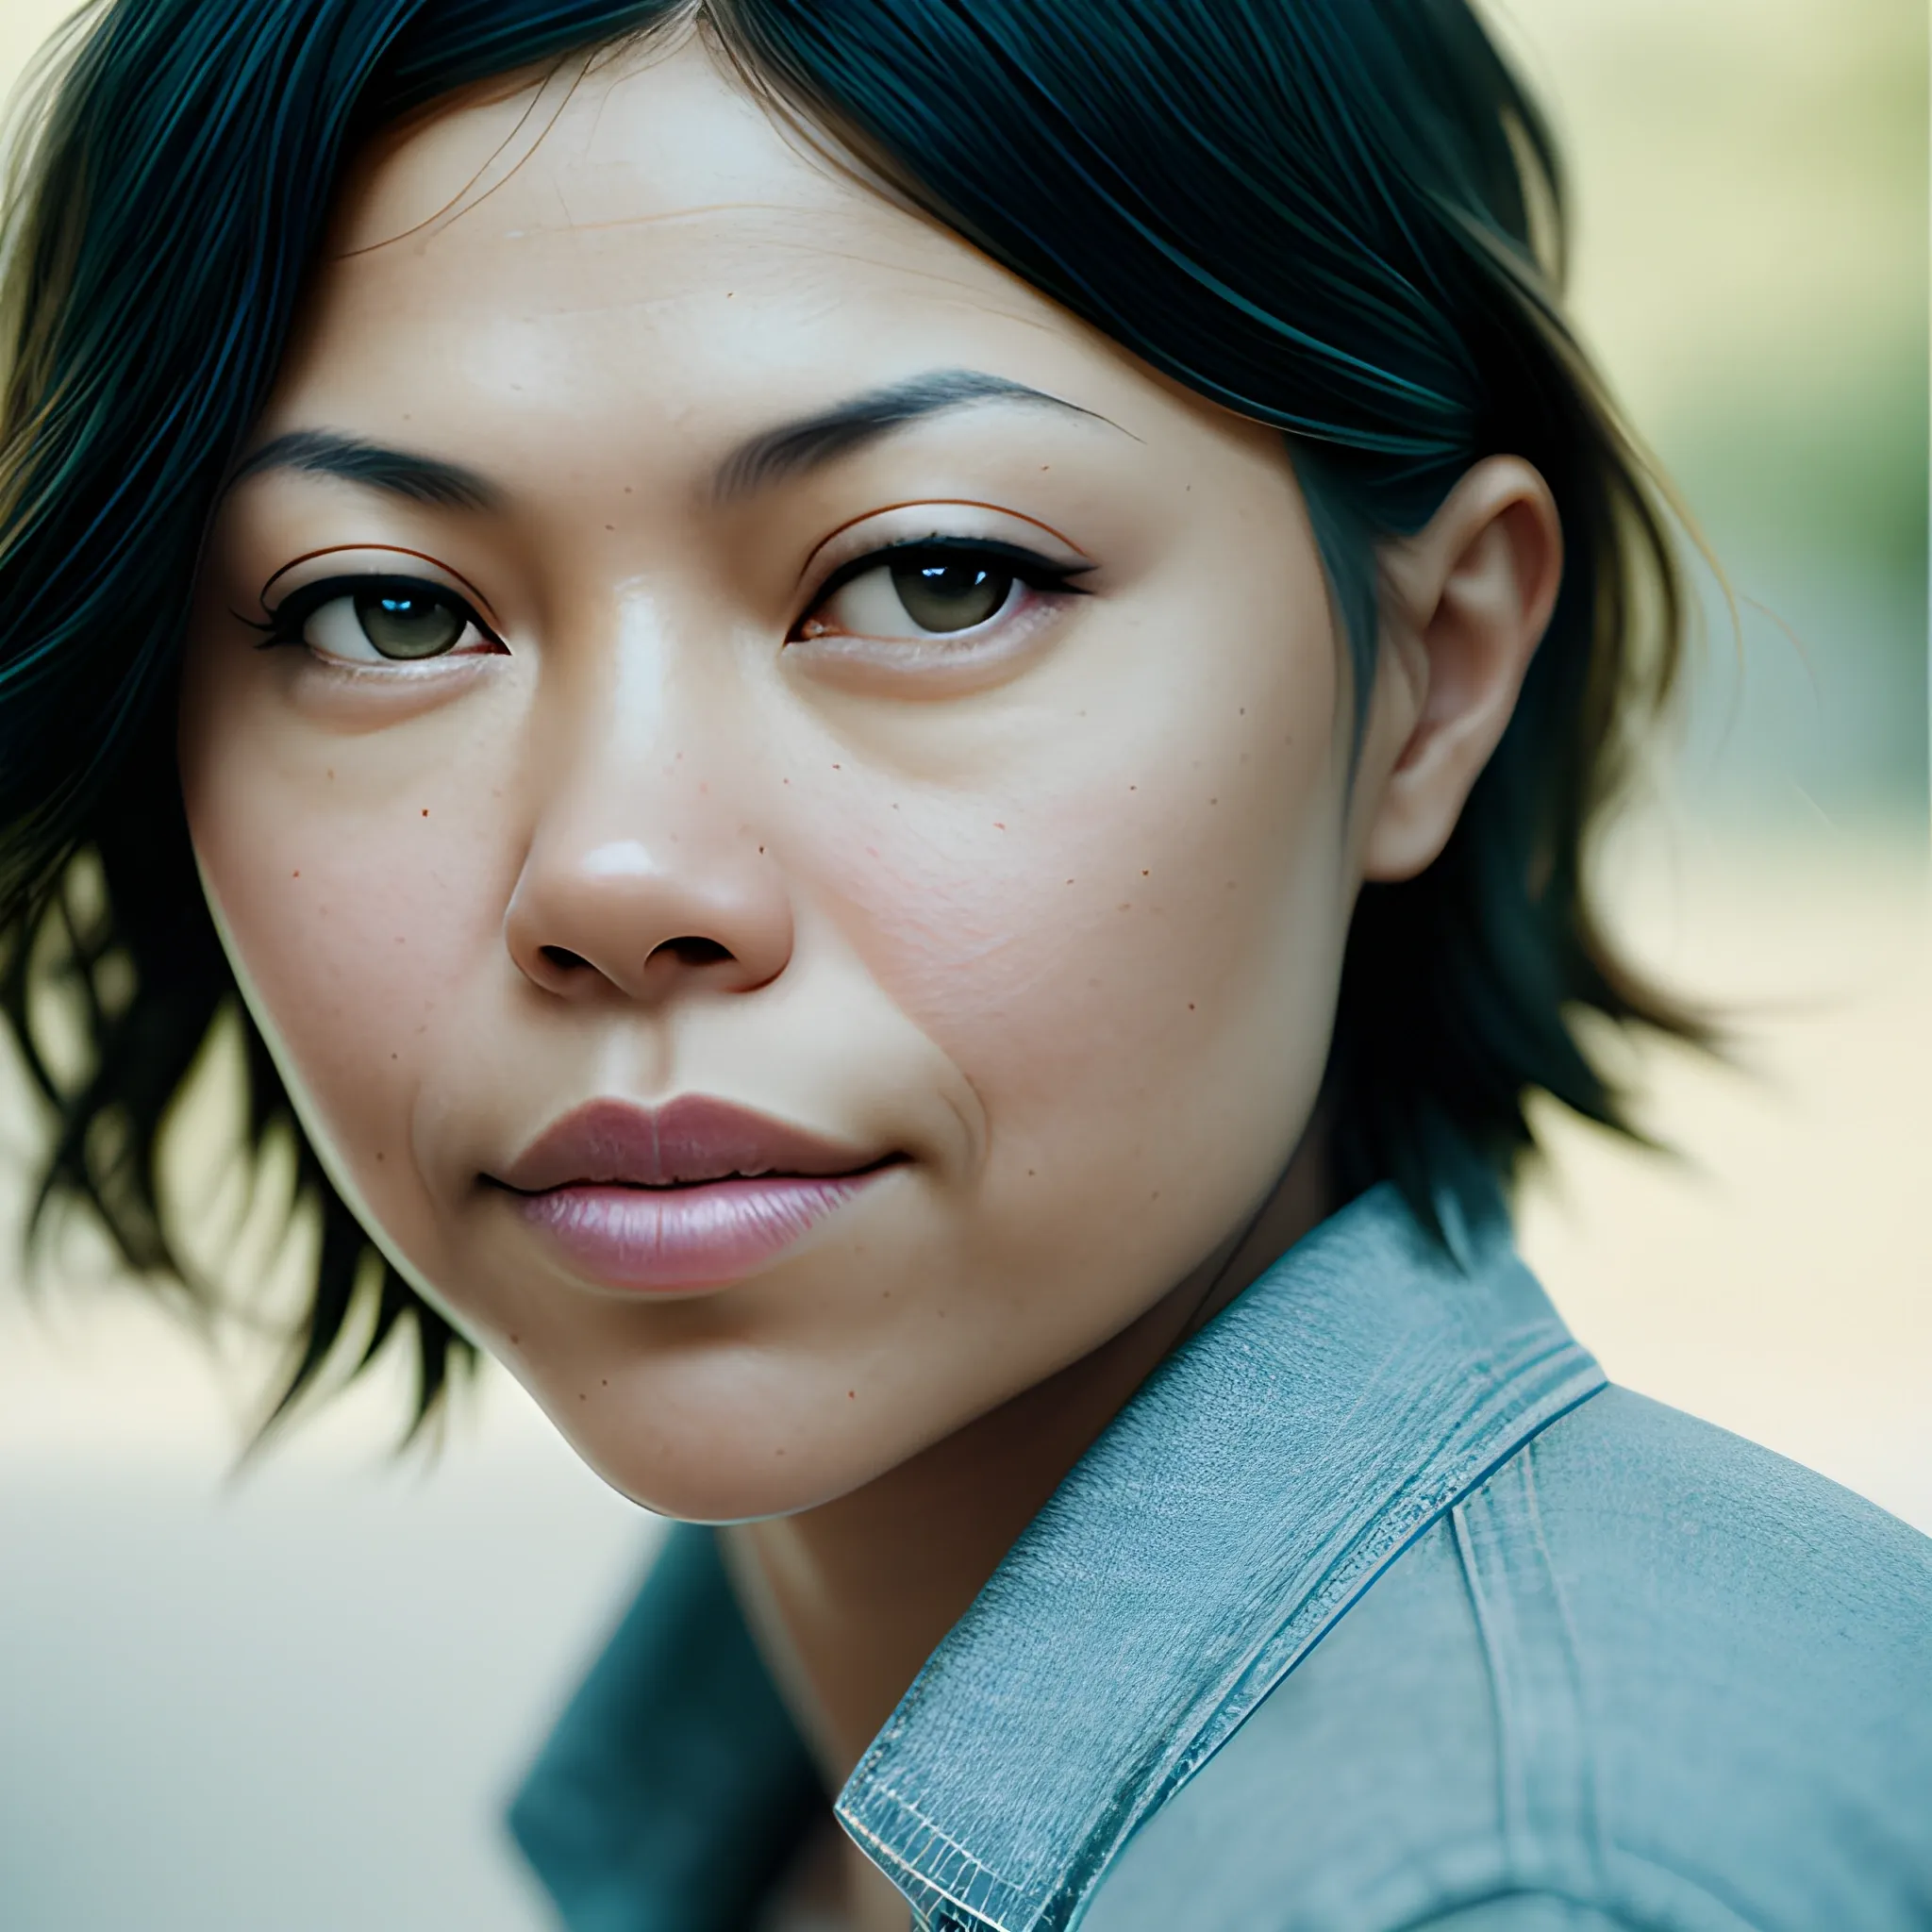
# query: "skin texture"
1056,914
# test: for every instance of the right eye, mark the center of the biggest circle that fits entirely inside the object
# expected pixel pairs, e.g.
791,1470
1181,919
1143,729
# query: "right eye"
380,620
933,589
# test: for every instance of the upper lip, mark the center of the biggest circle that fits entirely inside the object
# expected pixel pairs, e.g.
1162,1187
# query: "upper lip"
689,1139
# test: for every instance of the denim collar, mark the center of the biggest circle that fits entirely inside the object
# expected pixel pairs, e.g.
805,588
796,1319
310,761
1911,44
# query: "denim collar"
1256,1486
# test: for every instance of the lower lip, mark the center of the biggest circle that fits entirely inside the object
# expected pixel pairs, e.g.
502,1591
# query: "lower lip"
703,1236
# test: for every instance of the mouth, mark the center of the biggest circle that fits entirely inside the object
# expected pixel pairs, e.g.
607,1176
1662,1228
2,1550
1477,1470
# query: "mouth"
697,1193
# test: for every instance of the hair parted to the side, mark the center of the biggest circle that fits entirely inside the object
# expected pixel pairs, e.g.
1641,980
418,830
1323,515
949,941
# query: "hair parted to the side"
1340,217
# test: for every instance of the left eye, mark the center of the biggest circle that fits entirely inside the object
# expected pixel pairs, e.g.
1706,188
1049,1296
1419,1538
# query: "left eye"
923,591
376,620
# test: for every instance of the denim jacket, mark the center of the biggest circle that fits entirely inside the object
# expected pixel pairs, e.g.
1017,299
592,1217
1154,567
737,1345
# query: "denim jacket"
1374,1608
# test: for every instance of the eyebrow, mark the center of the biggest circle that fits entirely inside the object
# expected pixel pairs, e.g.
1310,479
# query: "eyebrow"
794,448
772,456
407,474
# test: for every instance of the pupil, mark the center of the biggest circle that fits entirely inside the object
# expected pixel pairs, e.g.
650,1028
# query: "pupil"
945,593
404,623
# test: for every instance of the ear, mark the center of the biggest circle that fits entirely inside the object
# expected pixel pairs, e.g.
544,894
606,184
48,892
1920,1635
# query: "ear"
1464,604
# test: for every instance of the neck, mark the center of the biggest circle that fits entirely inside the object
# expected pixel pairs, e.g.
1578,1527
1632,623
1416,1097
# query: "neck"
848,1600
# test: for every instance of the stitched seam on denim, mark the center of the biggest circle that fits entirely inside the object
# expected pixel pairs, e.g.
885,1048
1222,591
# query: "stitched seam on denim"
1388,1535
934,1899
912,1810
1499,1369
925,1889
1610,1896
1588,1794
1514,1384
1476,1472
1278,1655
1274,1660
1547,1792
1509,1793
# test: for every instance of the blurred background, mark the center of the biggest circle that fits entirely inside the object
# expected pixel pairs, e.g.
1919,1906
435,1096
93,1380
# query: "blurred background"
291,1699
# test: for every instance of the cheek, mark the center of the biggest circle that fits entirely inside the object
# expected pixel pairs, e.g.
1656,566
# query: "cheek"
355,889
1128,935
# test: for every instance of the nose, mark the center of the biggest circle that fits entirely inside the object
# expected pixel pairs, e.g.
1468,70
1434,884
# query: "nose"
650,917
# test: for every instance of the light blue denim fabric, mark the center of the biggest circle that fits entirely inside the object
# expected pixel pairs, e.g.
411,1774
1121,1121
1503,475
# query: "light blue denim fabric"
1374,1609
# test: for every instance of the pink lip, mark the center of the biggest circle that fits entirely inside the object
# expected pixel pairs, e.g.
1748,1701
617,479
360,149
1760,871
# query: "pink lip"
696,1193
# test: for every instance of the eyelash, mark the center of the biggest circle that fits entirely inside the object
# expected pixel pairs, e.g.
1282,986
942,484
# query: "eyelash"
285,623
1027,566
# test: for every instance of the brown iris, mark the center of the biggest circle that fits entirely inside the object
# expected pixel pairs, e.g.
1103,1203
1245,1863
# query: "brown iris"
944,593
407,622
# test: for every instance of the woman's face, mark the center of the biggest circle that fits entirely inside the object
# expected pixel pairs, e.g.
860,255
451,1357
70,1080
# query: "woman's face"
780,800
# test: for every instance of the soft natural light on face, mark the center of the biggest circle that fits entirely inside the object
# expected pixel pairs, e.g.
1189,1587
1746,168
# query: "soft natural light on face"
897,715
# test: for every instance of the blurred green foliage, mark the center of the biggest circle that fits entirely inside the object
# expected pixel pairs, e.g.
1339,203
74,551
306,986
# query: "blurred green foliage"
1749,188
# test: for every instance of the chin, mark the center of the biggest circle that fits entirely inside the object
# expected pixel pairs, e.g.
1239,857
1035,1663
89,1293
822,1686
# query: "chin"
739,1464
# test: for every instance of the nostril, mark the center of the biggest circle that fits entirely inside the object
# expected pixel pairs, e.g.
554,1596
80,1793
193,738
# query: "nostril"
688,950
692,951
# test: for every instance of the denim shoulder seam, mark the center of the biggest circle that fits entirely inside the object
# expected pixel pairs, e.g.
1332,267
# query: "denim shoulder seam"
1547,1801
1631,1889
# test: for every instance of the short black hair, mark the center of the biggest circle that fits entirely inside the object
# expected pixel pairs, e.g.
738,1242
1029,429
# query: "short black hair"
1344,218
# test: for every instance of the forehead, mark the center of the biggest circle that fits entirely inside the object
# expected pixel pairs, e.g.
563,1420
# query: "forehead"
647,223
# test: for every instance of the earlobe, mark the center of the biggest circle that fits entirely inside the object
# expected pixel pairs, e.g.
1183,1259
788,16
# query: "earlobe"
1466,603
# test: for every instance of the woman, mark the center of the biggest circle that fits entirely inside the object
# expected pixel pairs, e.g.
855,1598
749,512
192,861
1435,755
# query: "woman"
887,712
